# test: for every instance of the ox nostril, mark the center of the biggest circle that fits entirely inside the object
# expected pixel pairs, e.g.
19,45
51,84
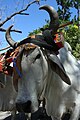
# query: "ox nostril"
28,103
26,107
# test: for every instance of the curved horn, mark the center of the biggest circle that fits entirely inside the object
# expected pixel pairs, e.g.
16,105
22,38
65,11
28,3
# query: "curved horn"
54,20
11,42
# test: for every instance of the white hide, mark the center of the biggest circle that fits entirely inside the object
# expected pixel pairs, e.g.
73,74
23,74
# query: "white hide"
71,94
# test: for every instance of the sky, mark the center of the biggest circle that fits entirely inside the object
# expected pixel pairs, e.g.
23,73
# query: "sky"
26,24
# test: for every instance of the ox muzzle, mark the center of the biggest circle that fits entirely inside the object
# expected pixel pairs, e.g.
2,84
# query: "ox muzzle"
40,114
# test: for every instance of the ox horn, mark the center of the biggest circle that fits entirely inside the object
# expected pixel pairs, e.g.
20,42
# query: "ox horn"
11,42
54,19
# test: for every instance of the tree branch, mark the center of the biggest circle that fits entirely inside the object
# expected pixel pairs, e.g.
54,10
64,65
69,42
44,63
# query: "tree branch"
19,12
24,14
4,30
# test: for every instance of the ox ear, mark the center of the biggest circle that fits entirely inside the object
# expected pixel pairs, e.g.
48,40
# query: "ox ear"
58,68
2,80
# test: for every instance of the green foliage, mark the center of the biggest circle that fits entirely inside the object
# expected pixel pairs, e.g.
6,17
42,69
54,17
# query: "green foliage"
35,32
64,9
64,16
75,3
72,36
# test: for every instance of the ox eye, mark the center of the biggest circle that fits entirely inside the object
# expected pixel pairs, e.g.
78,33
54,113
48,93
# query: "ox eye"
38,56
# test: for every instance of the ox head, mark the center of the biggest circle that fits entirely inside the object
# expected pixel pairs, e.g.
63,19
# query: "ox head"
34,71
